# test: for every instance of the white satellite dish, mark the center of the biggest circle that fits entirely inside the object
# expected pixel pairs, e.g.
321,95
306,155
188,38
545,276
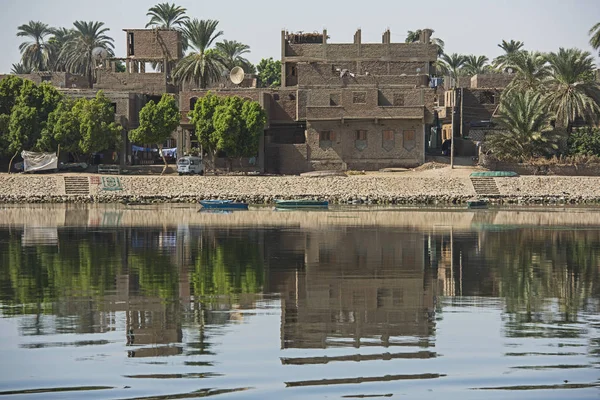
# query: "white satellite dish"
100,53
237,75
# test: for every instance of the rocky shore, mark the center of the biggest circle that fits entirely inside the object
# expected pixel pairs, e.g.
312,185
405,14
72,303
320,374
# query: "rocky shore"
431,188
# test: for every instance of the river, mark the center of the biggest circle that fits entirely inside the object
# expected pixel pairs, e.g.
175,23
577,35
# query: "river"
166,302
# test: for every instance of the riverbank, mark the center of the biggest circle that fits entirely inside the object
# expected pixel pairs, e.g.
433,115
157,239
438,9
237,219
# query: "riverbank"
435,186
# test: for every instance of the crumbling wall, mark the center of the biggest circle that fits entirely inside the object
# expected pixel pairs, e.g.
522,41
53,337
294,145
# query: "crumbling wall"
154,44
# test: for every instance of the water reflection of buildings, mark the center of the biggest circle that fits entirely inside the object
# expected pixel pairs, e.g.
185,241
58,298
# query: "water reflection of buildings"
358,287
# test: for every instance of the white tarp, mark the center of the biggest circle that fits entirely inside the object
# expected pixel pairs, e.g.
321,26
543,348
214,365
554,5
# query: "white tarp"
39,161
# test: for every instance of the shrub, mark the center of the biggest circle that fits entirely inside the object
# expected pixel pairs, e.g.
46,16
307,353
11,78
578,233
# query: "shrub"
584,141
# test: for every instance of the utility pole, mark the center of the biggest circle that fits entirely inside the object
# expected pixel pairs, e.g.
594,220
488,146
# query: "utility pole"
452,129
461,112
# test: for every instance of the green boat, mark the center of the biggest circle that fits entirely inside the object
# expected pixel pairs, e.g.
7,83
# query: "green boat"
478,203
301,203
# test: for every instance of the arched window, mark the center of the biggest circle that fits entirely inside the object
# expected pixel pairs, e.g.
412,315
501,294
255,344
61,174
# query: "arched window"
193,102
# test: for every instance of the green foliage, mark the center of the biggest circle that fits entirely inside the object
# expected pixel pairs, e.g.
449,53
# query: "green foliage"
203,65
527,130
232,54
474,65
157,122
511,49
451,65
29,114
595,37
229,124
166,16
584,141
34,52
97,124
63,128
20,69
269,72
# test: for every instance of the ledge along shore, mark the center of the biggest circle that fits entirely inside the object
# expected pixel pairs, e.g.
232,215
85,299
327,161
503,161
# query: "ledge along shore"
377,188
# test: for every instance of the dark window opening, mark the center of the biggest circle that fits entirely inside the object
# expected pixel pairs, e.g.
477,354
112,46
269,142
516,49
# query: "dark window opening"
193,101
114,107
488,98
293,71
334,99
275,97
130,44
388,135
291,96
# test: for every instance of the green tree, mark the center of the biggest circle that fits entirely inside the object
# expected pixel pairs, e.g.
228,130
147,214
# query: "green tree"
527,129
511,49
62,129
451,65
34,52
415,36
18,69
157,123
202,65
474,65
572,89
595,37
202,118
28,115
232,53
60,36
531,72
76,53
97,124
584,141
269,72
166,16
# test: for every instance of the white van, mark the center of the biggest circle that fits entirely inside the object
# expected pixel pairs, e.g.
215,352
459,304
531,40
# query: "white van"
190,165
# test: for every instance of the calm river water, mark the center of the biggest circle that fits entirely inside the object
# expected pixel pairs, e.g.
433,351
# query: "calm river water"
165,302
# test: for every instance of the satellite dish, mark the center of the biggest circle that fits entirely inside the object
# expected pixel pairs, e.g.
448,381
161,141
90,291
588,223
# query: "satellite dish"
237,75
100,53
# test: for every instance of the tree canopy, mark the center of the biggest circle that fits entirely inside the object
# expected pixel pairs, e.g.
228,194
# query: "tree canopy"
157,123
269,72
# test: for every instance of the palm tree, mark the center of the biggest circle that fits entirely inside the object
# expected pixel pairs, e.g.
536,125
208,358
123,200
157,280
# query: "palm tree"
527,129
511,48
451,65
531,72
232,53
595,37
77,51
166,16
19,68
203,64
474,65
60,36
415,36
572,90
34,51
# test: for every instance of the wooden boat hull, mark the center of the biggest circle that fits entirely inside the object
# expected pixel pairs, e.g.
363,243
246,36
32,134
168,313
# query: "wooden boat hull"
223,205
301,204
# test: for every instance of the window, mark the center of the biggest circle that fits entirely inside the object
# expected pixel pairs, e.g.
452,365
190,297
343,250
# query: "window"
359,97
388,141
361,135
193,101
326,136
488,98
409,140
360,140
398,100
130,44
293,71
334,99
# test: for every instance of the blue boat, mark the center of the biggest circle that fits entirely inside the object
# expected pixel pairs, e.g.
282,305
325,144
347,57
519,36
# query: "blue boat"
301,203
223,205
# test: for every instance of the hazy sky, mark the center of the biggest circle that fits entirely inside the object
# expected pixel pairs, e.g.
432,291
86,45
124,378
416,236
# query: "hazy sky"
467,26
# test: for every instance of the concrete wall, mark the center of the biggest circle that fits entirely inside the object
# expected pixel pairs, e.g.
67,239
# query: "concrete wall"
154,44
345,152
325,74
497,81
150,83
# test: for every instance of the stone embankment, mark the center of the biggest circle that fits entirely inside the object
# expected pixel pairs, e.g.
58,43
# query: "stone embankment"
361,189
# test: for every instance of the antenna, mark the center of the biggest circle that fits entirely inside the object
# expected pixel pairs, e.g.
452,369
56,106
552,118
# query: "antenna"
237,75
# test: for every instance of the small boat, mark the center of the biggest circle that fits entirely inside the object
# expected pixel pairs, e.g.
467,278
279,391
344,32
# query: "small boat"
301,203
478,203
223,205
